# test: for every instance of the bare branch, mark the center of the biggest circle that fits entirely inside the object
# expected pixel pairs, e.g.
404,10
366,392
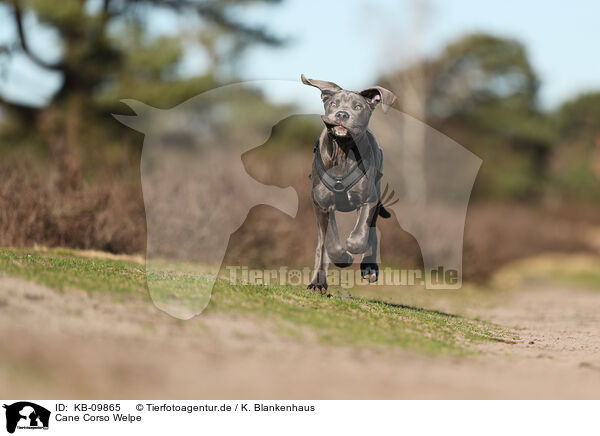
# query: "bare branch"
214,12
18,16
255,33
106,14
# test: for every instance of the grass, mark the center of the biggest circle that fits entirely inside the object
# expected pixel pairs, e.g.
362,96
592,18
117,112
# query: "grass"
358,321
347,321
62,270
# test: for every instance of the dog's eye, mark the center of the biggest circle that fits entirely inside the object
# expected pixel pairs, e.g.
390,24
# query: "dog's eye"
357,107
333,104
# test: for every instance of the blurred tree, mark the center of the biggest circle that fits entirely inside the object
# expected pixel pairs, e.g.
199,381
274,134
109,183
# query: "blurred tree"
109,50
576,164
579,118
482,91
481,70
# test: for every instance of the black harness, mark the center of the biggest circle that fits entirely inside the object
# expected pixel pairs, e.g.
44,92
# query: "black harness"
337,184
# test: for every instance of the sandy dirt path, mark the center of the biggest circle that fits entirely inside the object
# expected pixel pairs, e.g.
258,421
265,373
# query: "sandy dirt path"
71,345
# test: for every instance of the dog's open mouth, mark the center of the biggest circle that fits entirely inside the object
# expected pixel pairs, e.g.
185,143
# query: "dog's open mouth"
340,131
336,129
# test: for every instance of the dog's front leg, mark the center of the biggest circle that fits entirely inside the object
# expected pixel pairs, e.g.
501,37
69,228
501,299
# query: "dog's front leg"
336,252
319,279
358,240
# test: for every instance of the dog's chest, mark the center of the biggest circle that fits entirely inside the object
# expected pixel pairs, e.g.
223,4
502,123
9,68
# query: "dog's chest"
344,201
345,177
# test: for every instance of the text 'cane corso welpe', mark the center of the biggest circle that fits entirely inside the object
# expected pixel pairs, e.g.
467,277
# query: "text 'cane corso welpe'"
346,176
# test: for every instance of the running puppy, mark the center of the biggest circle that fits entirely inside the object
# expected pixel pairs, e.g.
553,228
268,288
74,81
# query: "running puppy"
346,175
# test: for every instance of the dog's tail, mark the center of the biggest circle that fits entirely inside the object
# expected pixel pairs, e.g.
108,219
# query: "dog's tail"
387,199
383,212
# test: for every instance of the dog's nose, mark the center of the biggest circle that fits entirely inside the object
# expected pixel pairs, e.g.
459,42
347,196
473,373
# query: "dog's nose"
342,115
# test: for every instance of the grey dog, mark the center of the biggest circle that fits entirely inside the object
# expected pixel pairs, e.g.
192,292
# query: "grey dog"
346,176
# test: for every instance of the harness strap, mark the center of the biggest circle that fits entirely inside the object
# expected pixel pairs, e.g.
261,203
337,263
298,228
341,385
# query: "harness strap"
338,184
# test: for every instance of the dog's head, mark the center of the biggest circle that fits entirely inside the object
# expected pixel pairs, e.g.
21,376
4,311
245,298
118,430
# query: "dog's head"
347,113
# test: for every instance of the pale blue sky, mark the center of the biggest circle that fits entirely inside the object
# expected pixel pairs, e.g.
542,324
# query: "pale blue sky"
352,42
367,38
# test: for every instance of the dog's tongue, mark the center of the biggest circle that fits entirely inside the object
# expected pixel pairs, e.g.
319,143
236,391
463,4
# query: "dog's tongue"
340,131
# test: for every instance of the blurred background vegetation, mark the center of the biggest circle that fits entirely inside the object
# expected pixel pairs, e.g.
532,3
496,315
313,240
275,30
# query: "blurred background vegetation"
70,172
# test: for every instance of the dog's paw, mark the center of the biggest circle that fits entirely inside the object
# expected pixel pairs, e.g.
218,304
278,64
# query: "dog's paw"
343,260
369,271
319,283
321,288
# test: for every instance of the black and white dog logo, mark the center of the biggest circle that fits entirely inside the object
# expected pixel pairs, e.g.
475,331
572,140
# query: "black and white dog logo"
26,415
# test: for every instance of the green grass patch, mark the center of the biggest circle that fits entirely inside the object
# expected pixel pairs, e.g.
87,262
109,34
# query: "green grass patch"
61,270
357,321
291,310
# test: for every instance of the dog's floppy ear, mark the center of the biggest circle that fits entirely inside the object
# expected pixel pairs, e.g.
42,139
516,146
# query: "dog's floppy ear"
377,94
327,88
